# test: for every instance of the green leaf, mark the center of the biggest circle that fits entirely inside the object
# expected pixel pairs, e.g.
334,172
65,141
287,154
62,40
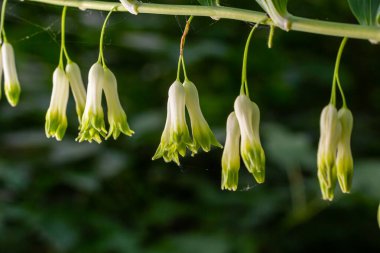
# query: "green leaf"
209,2
367,12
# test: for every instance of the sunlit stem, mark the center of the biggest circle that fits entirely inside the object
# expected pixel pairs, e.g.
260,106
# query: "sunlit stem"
2,31
181,48
101,55
63,47
270,36
336,75
244,83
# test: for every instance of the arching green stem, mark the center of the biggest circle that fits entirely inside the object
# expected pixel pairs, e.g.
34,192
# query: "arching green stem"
271,35
63,45
2,31
179,68
336,75
101,55
244,83
184,69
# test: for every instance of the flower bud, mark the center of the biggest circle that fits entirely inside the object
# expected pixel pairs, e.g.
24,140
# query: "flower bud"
344,161
77,87
231,157
11,83
93,126
56,121
330,131
248,116
117,118
202,134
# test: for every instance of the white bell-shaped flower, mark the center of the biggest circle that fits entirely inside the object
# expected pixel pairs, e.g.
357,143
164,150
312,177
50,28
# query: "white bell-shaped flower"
248,116
203,137
77,87
175,127
11,83
344,161
117,118
231,155
330,130
93,126
56,121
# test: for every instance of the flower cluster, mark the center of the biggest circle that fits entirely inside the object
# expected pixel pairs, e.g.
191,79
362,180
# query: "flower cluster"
243,127
11,83
335,161
92,128
176,138
56,120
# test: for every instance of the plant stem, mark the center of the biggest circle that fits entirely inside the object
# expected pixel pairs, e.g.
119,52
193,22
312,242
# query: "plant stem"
182,45
2,31
101,55
63,33
336,75
244,83
298,23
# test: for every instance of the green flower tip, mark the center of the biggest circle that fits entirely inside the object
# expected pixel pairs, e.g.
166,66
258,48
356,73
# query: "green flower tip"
12,92
92,128
254,159
119,125
230,179
327,191
55,125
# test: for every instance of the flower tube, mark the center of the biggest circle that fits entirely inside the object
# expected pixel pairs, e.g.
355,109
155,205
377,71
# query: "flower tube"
56,121
231,157
117,118
11,83
248,116
344,161
77,87
330,129
203,137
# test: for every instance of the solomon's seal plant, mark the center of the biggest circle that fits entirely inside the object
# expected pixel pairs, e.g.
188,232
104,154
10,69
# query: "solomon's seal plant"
334,158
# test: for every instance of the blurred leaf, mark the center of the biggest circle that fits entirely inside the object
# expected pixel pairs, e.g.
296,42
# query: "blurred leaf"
367,12
209,2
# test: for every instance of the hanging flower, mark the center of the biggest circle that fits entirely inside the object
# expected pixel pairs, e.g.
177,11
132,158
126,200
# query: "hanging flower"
11,83
56,121
327,148
116,115
344,161
202,134
77,87
248,116
93,126
231,157
175,137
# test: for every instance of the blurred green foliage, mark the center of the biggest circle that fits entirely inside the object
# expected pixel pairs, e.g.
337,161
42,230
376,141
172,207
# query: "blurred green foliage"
78,197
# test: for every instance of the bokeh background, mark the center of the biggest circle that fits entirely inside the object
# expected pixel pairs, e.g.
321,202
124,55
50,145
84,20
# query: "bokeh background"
79,197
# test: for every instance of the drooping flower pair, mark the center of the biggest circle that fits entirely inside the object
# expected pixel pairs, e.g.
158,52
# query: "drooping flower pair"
242,128
176,139
335,161
8,65
100,79
56,119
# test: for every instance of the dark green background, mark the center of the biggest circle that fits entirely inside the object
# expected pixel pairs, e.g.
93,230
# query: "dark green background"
78,197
